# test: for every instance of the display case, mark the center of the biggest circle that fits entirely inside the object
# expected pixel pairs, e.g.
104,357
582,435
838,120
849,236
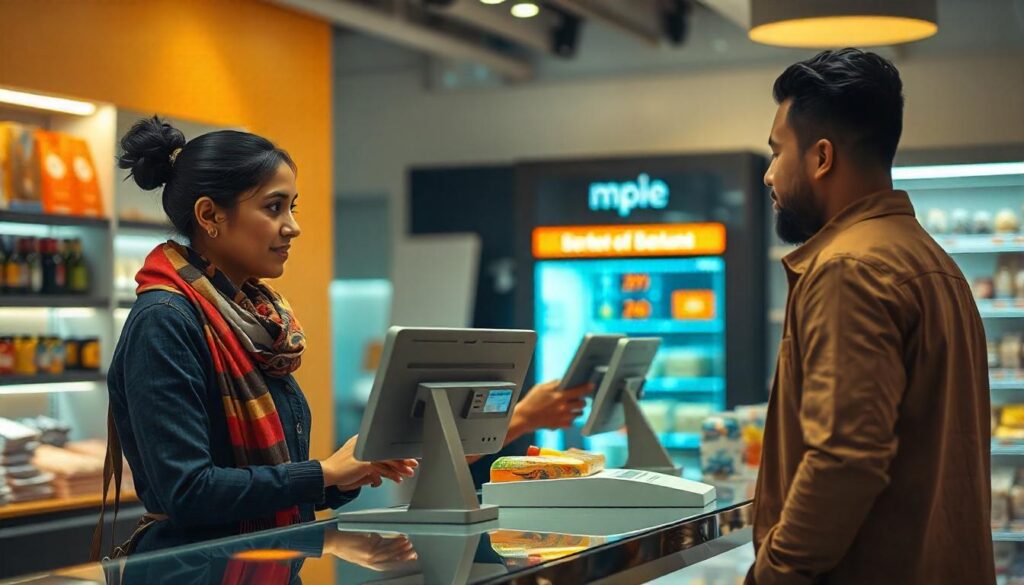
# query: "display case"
58,332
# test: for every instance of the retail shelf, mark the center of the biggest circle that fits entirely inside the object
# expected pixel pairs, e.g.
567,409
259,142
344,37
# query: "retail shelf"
65,378
981,244
1003,379
141,225
1001,308
51,219
680,441
667,385
1015,449
662,326
54,301
1007,536
51,505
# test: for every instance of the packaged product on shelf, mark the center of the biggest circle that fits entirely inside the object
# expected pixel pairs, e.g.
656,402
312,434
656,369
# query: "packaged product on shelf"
1017,507
721,446
993,353
984,288
982,223
89,358
25,348
55,177
75,265
15,270
54,272
752,420
7,357
43,356
937,222
1002,482
52,431
1009,351
6,177
960,221
1004,282
55,349
1018,284
1011,423
88,200
72,354
1007,221
22,166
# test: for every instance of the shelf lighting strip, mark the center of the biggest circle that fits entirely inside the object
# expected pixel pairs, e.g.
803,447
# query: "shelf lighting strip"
46,102
11,313
48,388
958,171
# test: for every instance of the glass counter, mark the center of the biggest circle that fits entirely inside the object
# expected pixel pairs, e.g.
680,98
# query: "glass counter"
525,545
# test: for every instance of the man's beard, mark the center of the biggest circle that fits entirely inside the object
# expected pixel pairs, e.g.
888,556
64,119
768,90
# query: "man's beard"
798,221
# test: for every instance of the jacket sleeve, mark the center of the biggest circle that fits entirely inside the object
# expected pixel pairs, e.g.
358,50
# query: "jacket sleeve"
334,498
850,343
166,372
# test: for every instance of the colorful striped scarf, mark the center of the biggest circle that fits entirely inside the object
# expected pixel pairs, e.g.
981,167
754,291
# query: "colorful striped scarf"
248,328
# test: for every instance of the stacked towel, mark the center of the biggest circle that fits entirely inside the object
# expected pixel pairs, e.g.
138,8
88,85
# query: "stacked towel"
23,481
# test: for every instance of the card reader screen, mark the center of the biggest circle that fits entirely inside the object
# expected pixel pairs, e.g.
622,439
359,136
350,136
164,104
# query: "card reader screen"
498,401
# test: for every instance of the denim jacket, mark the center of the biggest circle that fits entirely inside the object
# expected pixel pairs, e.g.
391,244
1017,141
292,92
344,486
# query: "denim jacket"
170,418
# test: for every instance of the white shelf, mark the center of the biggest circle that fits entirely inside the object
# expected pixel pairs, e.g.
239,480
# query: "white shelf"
1004,450
981,244
1007,536
1001,308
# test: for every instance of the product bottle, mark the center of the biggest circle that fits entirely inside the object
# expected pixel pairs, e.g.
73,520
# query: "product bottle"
54,273
77,271
34,263
1004,283
3,264
14,269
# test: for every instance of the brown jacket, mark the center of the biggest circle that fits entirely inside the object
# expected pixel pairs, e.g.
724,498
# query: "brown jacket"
876,456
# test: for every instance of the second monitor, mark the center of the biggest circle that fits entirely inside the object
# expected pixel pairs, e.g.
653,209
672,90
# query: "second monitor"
617,404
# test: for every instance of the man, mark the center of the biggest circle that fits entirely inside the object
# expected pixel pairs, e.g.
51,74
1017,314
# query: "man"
876,454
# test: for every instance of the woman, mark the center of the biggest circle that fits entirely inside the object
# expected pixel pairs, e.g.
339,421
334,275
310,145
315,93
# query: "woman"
202,397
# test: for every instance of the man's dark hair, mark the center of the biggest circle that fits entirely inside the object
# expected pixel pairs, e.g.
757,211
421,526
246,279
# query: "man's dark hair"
853,98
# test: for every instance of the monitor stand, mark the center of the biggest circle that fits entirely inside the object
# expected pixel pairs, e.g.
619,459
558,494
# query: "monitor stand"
444,492
645,450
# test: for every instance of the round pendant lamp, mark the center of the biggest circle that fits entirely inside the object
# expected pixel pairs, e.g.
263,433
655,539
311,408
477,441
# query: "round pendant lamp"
841,23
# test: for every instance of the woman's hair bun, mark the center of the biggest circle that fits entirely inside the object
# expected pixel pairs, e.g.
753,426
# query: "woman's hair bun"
146,151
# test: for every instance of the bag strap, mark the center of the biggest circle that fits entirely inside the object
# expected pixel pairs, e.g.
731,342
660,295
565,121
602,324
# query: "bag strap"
113,466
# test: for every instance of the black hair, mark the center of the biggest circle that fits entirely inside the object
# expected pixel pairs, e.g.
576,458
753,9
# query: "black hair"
849,96
221,165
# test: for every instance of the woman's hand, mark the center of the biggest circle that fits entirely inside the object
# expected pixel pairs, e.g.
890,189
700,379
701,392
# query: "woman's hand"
545,407
369,549
342,469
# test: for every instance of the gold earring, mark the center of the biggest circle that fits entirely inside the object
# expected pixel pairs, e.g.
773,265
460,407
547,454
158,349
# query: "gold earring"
213,233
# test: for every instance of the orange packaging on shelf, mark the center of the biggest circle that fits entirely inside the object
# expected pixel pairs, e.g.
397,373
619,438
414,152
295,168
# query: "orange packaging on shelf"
20,168
87,199
55,178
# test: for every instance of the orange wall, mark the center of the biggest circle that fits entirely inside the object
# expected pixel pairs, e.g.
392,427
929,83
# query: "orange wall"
225,62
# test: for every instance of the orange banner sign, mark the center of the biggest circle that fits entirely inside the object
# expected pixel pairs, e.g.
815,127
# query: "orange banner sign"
625,241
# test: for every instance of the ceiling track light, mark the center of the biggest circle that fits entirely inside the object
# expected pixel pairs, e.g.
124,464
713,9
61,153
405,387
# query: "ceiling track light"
525,9
841,23
46,102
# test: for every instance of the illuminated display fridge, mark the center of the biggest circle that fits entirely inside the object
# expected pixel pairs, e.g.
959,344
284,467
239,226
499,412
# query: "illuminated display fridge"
668,246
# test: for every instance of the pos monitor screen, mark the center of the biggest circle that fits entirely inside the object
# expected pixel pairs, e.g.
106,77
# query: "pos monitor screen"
591,359
617,404
438,396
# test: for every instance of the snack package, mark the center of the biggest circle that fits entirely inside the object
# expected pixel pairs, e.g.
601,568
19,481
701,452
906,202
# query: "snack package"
55,180
721,446
87,199
6,176
22,167
595,461
517,468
